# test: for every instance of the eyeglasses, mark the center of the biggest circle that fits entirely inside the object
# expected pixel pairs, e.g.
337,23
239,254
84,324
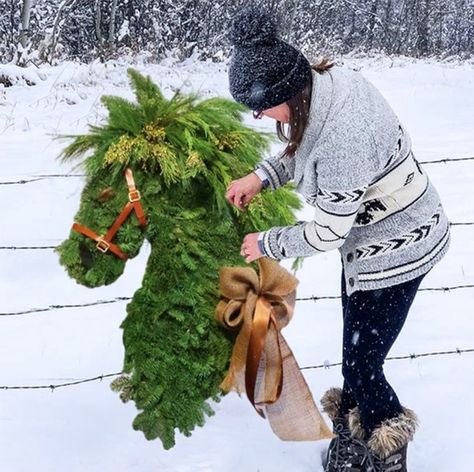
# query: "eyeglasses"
258,115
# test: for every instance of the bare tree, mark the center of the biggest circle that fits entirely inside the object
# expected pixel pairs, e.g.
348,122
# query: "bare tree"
25,22
372,23
98,20
56,25
113,12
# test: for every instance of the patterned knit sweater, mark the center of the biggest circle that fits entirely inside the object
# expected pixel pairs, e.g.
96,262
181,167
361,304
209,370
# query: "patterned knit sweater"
373,201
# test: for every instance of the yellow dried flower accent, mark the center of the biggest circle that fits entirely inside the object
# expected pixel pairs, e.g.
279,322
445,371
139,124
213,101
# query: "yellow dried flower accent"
194,160
120,151
257,205
142,149
161,151
154,133
214,139
228,141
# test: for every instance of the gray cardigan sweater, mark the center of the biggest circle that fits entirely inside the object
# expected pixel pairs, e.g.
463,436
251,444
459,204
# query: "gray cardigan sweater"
373,201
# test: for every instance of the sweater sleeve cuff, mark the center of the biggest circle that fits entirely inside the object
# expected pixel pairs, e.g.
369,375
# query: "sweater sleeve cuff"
261,173
267,243
261,247
275,172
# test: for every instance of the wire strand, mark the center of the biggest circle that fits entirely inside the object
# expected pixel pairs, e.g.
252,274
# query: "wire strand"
312,298
60,307
325,365
53,176
451,159
40,177
19,248
66,384
22,248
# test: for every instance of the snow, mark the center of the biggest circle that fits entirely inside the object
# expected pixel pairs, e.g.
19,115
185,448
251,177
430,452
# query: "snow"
11,74
86,427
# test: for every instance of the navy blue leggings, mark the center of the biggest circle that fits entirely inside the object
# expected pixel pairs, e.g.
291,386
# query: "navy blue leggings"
373,320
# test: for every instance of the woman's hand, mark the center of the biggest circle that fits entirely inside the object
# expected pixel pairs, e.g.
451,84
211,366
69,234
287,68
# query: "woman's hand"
240,192
249,248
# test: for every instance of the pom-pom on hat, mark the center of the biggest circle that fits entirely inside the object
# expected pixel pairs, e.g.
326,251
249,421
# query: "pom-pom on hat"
264,71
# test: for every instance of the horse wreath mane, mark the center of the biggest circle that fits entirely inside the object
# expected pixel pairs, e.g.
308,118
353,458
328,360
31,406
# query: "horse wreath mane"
161,166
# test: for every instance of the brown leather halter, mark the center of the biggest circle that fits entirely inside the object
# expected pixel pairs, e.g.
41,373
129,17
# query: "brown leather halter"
104,243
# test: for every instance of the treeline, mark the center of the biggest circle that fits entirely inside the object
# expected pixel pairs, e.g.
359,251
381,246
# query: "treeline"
51,30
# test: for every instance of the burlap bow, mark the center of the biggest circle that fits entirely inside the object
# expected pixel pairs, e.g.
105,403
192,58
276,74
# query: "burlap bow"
262,364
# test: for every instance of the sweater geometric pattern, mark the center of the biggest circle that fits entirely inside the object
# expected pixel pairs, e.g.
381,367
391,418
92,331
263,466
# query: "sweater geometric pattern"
414,236
341,197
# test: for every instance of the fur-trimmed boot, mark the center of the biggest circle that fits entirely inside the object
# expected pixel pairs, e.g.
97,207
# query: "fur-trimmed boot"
344,454
386,448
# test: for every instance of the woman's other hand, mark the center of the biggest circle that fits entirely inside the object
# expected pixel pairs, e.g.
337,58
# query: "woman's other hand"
249,248
241,191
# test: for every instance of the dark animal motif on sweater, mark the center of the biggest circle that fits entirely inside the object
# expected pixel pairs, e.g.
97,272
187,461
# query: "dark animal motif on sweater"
367,213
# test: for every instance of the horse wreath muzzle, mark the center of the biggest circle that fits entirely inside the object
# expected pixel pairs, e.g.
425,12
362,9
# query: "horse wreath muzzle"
104,243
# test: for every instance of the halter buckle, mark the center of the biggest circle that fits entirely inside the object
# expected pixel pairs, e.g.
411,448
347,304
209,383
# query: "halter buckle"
102,245
134,196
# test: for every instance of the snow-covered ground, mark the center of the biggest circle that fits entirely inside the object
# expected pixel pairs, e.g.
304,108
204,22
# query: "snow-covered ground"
86,427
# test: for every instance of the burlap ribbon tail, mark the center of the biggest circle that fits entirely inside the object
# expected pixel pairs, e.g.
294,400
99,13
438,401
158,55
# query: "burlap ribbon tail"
262,364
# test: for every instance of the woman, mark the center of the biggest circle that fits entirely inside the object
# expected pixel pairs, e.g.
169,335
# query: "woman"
351,159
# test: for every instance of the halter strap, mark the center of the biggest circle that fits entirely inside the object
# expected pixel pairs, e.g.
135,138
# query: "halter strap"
104,243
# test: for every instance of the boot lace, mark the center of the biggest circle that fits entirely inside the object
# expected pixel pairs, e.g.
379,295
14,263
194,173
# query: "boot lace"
373,463
340,447
344,456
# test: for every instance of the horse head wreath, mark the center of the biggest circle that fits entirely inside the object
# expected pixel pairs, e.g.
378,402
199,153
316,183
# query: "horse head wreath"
163,165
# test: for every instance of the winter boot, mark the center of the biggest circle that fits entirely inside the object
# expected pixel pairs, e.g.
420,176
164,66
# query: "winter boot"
343,454
386,448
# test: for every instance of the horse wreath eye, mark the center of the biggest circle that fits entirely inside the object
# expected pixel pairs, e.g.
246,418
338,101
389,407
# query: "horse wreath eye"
106,195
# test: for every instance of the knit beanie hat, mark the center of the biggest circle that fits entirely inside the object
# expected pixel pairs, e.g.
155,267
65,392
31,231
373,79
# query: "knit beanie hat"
264,71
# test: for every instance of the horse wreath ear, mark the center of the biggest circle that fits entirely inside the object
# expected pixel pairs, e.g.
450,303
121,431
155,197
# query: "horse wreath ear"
144,87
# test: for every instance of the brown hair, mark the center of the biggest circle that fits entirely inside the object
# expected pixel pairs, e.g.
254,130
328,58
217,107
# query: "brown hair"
299,114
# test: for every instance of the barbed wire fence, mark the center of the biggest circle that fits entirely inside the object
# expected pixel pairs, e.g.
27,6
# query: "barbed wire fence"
325,365
314,298
23,248
20,248
53,176
39,177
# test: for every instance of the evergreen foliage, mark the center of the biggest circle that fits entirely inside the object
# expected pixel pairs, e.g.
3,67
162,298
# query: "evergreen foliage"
183,153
